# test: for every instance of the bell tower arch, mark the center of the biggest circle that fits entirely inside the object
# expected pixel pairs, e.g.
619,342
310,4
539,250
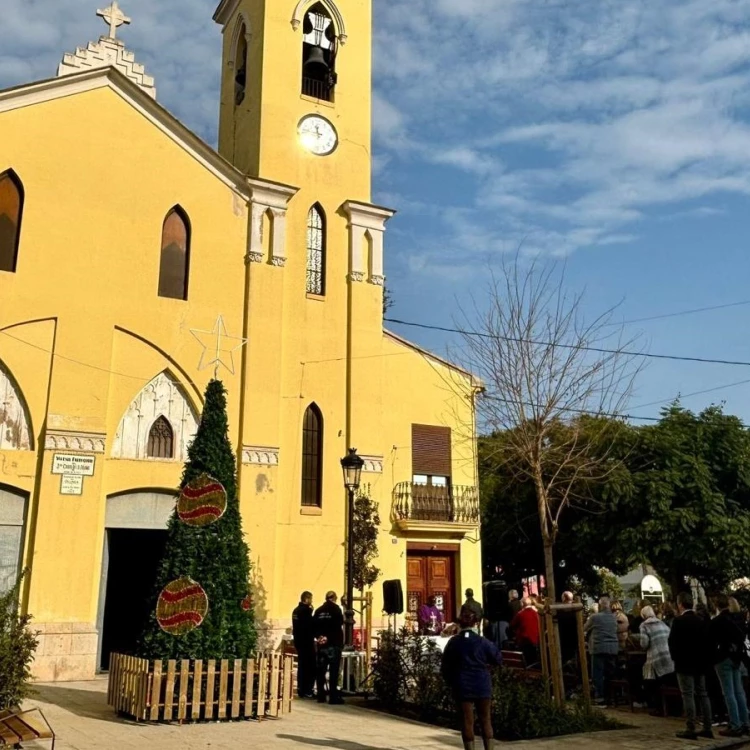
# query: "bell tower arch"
287,62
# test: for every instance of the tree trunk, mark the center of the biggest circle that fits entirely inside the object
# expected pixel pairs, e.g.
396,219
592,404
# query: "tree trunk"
553,637
549,570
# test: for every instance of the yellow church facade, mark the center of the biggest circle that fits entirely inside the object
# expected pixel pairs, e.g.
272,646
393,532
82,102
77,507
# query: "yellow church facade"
133,256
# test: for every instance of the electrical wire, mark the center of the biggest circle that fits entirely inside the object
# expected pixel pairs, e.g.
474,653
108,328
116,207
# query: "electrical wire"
579,347
683,312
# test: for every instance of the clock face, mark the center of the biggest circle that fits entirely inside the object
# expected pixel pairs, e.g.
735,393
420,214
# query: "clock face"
317,135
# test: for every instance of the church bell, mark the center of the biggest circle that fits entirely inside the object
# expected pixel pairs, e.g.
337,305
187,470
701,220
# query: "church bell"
315,64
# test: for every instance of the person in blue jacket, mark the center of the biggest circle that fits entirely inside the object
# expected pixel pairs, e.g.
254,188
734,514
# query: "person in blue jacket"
467,661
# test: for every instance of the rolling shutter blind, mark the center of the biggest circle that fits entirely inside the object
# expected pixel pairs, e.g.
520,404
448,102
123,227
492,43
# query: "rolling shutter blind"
431,450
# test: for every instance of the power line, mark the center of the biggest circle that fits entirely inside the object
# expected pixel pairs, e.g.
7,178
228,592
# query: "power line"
694,393
587,412
683,312
580,347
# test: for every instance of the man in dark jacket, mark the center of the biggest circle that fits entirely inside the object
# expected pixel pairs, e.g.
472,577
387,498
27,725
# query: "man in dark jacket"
472,604
691,650
304,642
729,645
328,626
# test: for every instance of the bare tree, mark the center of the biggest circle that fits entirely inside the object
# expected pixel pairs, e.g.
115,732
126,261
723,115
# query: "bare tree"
543,367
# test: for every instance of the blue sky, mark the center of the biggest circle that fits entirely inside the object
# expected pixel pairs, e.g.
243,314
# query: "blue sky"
614,136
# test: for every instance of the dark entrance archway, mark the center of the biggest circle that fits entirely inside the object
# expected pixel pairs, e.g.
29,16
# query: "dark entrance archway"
134,555
135,536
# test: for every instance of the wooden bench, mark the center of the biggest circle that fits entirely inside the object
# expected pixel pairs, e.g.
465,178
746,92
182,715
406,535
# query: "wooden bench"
516,662
17,726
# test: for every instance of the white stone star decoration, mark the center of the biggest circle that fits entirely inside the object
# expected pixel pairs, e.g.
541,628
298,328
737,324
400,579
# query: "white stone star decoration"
218,347
113,17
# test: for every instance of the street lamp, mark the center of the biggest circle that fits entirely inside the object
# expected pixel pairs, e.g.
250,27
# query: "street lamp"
352,465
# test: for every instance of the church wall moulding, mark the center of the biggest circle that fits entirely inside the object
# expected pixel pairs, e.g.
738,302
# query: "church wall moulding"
74,441
259,455
373,464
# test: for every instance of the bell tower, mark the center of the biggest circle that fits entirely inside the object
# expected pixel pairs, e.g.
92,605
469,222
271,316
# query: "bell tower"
296,91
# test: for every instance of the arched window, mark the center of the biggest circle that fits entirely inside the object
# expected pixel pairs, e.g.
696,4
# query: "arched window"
161,439
312,458
11,209
240,66
316,251
318,54
12,520
175,255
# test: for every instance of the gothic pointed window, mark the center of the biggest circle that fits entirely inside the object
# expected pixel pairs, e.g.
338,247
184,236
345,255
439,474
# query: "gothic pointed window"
319,46
175,255
312,458
11,209
161,439
240,66
316,251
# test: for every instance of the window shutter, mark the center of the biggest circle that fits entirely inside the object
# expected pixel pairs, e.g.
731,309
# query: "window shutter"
431,450
11,206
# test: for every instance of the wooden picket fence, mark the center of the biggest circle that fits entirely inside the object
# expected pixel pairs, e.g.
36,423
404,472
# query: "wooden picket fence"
214,690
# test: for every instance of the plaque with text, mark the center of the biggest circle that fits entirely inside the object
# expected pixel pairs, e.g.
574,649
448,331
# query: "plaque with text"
71,484
73,463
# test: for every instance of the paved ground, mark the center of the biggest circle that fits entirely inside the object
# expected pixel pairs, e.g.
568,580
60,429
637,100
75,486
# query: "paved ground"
83,721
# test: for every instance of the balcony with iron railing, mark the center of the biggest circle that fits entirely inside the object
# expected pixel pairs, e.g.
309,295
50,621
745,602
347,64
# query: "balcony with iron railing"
451,510
317,89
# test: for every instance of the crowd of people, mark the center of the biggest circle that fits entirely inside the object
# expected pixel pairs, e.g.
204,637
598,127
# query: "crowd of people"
700,651
697,652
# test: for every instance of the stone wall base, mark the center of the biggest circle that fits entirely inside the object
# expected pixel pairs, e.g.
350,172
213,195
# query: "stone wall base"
66,652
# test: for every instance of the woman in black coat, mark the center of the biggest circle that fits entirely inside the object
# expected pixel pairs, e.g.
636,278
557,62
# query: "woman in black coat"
467,661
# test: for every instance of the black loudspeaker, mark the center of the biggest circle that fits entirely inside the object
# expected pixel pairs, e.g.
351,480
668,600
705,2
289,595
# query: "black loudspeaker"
496,604
393,597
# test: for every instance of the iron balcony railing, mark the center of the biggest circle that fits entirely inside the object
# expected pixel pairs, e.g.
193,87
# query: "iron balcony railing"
421,502
317,89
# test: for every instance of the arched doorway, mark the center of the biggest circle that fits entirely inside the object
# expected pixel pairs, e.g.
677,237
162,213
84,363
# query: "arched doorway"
135,535
12,525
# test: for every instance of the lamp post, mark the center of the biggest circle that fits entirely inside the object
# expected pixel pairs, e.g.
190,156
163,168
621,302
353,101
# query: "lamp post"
352,465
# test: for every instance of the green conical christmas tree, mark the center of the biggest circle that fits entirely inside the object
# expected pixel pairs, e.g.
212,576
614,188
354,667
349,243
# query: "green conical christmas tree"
215,555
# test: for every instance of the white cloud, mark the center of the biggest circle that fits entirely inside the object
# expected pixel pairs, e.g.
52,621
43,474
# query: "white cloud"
575,120
568,123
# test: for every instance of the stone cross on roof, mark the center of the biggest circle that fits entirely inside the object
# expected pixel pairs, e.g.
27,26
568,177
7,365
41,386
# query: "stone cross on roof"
113,17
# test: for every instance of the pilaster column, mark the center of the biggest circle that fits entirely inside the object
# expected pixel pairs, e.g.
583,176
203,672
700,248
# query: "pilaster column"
273,198
365,218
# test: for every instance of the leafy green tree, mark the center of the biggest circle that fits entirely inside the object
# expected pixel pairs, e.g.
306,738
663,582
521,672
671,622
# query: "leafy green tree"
676,496
17,646
512,539
366,526
686,508
215,556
